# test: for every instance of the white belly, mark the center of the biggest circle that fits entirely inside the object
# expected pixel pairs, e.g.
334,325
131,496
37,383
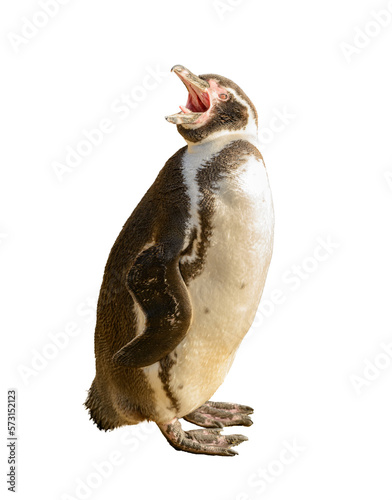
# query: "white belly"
226,295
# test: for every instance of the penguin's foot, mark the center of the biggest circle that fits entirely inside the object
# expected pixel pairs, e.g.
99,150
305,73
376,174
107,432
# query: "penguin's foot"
220,415
201,441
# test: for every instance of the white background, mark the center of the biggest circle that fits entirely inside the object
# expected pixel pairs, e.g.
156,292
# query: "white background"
329,168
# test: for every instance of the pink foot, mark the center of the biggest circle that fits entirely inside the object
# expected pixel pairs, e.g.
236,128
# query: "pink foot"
201,441
220,415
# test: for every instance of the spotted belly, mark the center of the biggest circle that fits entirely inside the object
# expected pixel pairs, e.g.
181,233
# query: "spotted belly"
225,291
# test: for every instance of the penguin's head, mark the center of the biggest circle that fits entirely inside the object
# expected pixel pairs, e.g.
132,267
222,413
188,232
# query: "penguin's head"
215,105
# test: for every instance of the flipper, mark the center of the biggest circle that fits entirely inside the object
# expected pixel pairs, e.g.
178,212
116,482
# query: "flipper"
156,283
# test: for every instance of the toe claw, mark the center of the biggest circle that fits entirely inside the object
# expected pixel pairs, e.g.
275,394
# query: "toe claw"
235,439
246,422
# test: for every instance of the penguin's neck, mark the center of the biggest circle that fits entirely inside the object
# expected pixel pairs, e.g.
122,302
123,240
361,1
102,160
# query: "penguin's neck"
216,142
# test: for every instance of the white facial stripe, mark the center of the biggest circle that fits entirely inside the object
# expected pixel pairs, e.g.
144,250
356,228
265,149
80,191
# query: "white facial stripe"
251,127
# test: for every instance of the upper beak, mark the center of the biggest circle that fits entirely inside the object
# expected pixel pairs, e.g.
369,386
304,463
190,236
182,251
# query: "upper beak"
189,78
197,88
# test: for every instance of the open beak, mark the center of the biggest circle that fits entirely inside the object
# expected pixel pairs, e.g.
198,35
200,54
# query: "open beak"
198,97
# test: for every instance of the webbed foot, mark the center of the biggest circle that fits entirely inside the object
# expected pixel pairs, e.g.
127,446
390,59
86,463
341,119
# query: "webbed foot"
201,441
221,415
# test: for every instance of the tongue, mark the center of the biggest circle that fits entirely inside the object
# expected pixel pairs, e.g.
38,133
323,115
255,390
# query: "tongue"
184,109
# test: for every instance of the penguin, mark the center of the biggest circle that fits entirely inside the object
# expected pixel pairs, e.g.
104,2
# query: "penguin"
185,276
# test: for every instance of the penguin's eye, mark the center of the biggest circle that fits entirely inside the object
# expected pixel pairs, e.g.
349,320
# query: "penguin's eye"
223,97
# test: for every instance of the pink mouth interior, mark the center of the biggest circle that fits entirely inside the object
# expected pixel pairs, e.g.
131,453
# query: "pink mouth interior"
198,101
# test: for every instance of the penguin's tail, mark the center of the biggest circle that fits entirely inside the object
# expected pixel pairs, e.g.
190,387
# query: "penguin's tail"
101,411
